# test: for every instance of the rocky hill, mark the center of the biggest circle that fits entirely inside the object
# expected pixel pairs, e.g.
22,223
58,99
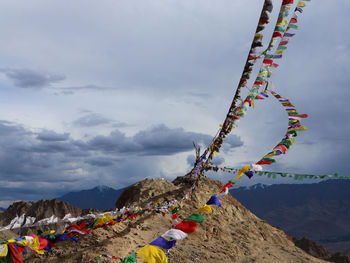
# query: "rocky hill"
231,234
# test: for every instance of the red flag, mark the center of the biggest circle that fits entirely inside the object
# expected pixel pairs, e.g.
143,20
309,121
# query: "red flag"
257,82
264,162
225,186
277,34
300,115
268,61
293,20
187,226
16,257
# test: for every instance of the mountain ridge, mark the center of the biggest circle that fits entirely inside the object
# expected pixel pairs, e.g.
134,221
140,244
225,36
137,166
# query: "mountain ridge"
317,211
91,198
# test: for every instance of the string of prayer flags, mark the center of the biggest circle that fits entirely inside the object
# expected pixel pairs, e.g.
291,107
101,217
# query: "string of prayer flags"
129,259
269,174
301,177
280,24
292,25
110,257
265,72
47,239
151,254
235,113
289,138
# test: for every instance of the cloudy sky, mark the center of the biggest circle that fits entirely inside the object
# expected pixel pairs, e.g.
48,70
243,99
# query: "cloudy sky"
111,92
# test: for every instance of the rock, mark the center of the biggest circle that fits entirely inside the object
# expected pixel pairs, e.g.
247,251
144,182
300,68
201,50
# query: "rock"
312,248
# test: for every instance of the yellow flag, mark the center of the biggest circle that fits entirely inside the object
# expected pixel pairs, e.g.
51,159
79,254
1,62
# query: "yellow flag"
271,154
258,37
152,254
301,4
205,208
48,232
279,52
242,171
3,251
103,220
302,128
263,74
291,140
35,246
23,243
282,22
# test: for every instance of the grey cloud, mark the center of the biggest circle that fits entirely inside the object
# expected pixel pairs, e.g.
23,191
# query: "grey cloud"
158,140
52,136
101,161
27,78
91,119
191,159
73,90
51,160
161,140
231,142
116,141
218,160
50,147
95,119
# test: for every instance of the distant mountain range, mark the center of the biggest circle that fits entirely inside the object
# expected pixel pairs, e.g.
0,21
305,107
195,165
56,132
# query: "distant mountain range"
21,214
320,211
101,198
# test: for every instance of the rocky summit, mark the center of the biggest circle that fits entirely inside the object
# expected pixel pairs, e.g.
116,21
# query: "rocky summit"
230,234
